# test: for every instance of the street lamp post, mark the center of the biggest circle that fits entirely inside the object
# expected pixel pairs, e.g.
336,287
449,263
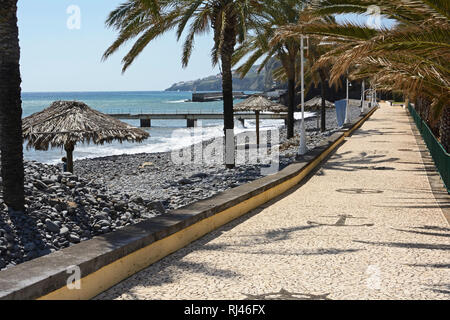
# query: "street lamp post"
374,97
371,96
302,146
371,91
347,120
363,89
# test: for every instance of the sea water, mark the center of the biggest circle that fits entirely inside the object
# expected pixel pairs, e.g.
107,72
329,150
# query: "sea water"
164,134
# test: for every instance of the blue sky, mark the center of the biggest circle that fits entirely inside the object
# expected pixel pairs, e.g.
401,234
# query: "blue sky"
56,58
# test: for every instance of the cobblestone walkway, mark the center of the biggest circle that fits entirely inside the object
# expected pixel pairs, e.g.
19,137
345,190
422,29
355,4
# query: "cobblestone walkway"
365,226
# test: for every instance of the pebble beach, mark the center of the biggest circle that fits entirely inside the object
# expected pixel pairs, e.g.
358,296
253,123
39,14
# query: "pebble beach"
108,193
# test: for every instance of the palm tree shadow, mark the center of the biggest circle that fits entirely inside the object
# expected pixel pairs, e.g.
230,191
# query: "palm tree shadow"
376,132
436,234
30,242
167,269
436,228
440,288
432,265
408,245
371,162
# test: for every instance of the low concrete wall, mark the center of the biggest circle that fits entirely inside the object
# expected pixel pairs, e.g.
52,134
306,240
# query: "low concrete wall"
108,259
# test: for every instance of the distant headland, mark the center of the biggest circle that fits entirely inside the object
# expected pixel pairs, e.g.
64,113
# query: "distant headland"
253,81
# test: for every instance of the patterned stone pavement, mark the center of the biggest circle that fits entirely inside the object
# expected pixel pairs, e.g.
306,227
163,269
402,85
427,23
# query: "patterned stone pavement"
365,226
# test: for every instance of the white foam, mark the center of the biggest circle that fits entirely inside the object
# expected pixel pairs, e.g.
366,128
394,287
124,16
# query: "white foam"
179,138
177,101
298,115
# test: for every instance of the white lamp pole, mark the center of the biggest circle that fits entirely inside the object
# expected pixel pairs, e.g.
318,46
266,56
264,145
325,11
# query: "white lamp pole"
302,147
366,92
371,94
347,120
363,89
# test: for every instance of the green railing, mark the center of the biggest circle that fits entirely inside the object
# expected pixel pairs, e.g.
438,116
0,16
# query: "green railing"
440,156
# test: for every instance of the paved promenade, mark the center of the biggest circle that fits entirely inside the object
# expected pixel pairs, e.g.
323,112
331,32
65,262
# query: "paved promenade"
365,226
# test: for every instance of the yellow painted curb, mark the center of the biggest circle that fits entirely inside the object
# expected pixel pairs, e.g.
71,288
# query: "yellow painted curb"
111,274
360,122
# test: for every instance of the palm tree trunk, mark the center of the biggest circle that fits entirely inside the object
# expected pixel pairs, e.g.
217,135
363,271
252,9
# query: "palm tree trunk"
12,170
227,51
228,115
444,128
291,103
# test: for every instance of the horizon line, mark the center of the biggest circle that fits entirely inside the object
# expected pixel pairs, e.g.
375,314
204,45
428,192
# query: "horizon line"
96,91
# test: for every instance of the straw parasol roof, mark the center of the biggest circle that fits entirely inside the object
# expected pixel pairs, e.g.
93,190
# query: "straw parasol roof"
317,102
66,123
259,103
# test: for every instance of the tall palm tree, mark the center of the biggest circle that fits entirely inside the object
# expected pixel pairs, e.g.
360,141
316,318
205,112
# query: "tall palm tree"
412,57
11,141
275,13
263,45
228,19
318,75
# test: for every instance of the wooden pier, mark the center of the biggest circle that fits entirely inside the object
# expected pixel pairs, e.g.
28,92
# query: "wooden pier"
216,96
191,118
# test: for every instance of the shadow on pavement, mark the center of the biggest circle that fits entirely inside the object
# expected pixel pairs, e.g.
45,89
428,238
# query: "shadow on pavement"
408,245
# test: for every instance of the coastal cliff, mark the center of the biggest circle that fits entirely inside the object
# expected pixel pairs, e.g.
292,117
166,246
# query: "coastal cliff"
253,81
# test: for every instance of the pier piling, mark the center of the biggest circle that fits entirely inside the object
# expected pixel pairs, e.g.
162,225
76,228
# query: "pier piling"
146,123
191,123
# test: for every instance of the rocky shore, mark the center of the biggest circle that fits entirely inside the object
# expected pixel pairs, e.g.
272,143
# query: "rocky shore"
111,192
154,177
62,209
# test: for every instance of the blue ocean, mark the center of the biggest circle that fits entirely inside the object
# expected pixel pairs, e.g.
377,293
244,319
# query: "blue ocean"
162,137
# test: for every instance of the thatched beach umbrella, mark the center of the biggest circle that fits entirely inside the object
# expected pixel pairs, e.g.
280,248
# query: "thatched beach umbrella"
317,102
66,123
259,104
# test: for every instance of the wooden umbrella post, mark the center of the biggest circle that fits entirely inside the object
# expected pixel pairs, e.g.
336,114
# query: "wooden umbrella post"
257,128
258,104
69,150
318,118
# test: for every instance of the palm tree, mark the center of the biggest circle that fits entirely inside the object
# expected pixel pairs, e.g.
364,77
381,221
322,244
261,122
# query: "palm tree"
318,75
11,141
412,57
148,19
275,13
